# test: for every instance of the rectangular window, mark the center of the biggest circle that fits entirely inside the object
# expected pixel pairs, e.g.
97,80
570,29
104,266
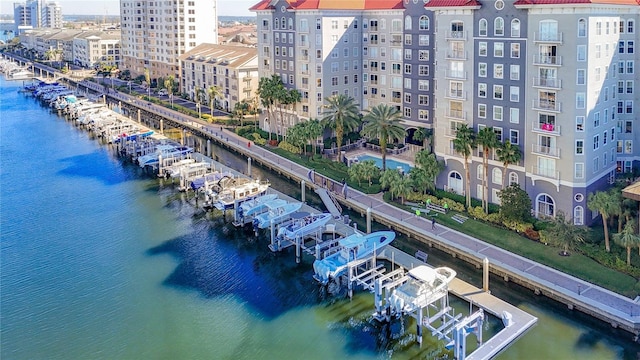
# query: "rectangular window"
514,73
498,71
482,90
497,92
630,47
514,115
579,171
582,53
596,142
482,111
514,93
482,48
515,50
482,69
580,101
423,70
497,113
579,123
498,49
423,99
579,147
514,137
581,77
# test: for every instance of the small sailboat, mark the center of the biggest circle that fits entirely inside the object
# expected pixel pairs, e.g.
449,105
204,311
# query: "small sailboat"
299,228
425,286
353,247
276,215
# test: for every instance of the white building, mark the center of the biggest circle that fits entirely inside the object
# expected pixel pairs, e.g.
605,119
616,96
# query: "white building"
34,14
93,48
156,33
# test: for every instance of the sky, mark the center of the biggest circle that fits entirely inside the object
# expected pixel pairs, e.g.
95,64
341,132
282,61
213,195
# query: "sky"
111,7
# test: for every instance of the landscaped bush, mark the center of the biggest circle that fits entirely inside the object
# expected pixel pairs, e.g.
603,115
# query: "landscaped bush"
288,147
532,234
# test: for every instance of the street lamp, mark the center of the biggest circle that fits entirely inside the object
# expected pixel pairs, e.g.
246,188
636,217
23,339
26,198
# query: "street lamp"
199,111
171,100
129,83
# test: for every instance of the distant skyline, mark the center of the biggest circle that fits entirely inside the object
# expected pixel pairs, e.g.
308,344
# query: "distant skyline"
112,7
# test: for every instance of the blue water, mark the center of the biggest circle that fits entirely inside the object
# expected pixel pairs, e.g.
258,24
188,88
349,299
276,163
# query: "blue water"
391,164
100,261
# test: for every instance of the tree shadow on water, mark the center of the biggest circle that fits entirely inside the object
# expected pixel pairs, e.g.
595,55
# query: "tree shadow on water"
98,165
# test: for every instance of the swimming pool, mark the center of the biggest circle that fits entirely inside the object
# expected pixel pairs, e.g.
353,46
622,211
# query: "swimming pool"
391,164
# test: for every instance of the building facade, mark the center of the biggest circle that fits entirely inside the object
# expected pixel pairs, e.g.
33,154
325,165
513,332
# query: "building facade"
92,49
233,69
35,14
156,33
554,78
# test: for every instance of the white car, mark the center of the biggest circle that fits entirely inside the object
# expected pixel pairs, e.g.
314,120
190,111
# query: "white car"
163,92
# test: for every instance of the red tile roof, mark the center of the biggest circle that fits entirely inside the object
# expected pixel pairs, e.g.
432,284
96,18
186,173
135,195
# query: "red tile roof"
334,4
565,2
449,3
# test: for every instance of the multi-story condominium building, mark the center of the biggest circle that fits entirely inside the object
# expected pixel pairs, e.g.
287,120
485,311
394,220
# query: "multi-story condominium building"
34,14
554,78
233,69
95,48
156,33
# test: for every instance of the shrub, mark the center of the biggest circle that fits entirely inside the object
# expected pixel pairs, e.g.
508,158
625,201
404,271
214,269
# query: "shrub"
532,234
288,147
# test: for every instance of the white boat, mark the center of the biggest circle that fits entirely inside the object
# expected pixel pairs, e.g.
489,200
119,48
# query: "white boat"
257,204
174,169
202,183
299,228
21,75
166,151
238,189
425,286
276,215
352,248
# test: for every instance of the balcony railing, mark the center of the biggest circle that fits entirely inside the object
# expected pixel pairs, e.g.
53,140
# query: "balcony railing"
456,35
544,105
455,74
456,114
548,173
449,132
550,83
545,150
456,95
550,129
456,55
548,37
547,60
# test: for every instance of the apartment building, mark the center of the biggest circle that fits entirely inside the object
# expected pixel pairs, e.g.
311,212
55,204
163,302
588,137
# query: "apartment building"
555,78
35,14
156,33
233,69
94,48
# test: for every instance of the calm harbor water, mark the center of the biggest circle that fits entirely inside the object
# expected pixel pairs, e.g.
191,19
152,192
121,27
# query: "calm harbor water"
99,261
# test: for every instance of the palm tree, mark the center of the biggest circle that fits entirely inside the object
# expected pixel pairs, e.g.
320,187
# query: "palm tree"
488,140
147,79
562,232
463,144
383,122
602,202
213,92
269,89
429,167
198,96
628,239
313,131
508,154
240,109
168,84
401,188
425,135
389,177
341,115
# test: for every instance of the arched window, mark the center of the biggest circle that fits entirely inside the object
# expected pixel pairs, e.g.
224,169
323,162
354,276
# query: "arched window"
276,23
515,28
482,26
513,178
424,22
582,28
578,215
498,27
496,176
545,206
284,23
480,172
455,183
407,22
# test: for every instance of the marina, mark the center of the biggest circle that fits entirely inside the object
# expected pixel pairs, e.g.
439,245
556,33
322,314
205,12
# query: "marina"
396,256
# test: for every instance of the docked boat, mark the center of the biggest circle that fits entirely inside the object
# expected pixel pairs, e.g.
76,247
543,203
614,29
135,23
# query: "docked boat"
276,215
257,204
229,191
203,182
352,248
425,286
131,137
299,228
165,151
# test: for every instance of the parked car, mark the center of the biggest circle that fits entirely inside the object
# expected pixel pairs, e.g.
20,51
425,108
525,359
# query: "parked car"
163,92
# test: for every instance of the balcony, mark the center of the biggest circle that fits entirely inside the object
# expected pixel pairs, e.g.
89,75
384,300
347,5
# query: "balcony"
545,172
547,60
545,150
549,83
455,74
456,35
545,105
547,129
456,55
456,95
546,37
456,114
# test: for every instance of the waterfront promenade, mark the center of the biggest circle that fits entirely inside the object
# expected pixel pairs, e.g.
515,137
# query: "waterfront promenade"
577,294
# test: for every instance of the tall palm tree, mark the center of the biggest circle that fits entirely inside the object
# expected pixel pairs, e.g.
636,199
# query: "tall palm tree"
602,202
289,100
213,92
508,154
488,141
429,167
313,131
463,144
627,239
342,114
426,136
147,79
269,89
401,188
168,84
383,122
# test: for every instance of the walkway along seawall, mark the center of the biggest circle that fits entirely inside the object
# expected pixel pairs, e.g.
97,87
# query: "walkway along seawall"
576,294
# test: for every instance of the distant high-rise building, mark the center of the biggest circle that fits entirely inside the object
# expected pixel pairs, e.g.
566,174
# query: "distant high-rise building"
156,33
34,14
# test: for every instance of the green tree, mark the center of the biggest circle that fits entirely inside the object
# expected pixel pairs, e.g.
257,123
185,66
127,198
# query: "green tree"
241,109
508,154
383,122
463,144
401,188
426,136
515,203
426,172
213,92
168,84
365,170
602,202
147,79
313,131
563,233
389,177
296,136
488,141
288,101
269,89
341,115
627,239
